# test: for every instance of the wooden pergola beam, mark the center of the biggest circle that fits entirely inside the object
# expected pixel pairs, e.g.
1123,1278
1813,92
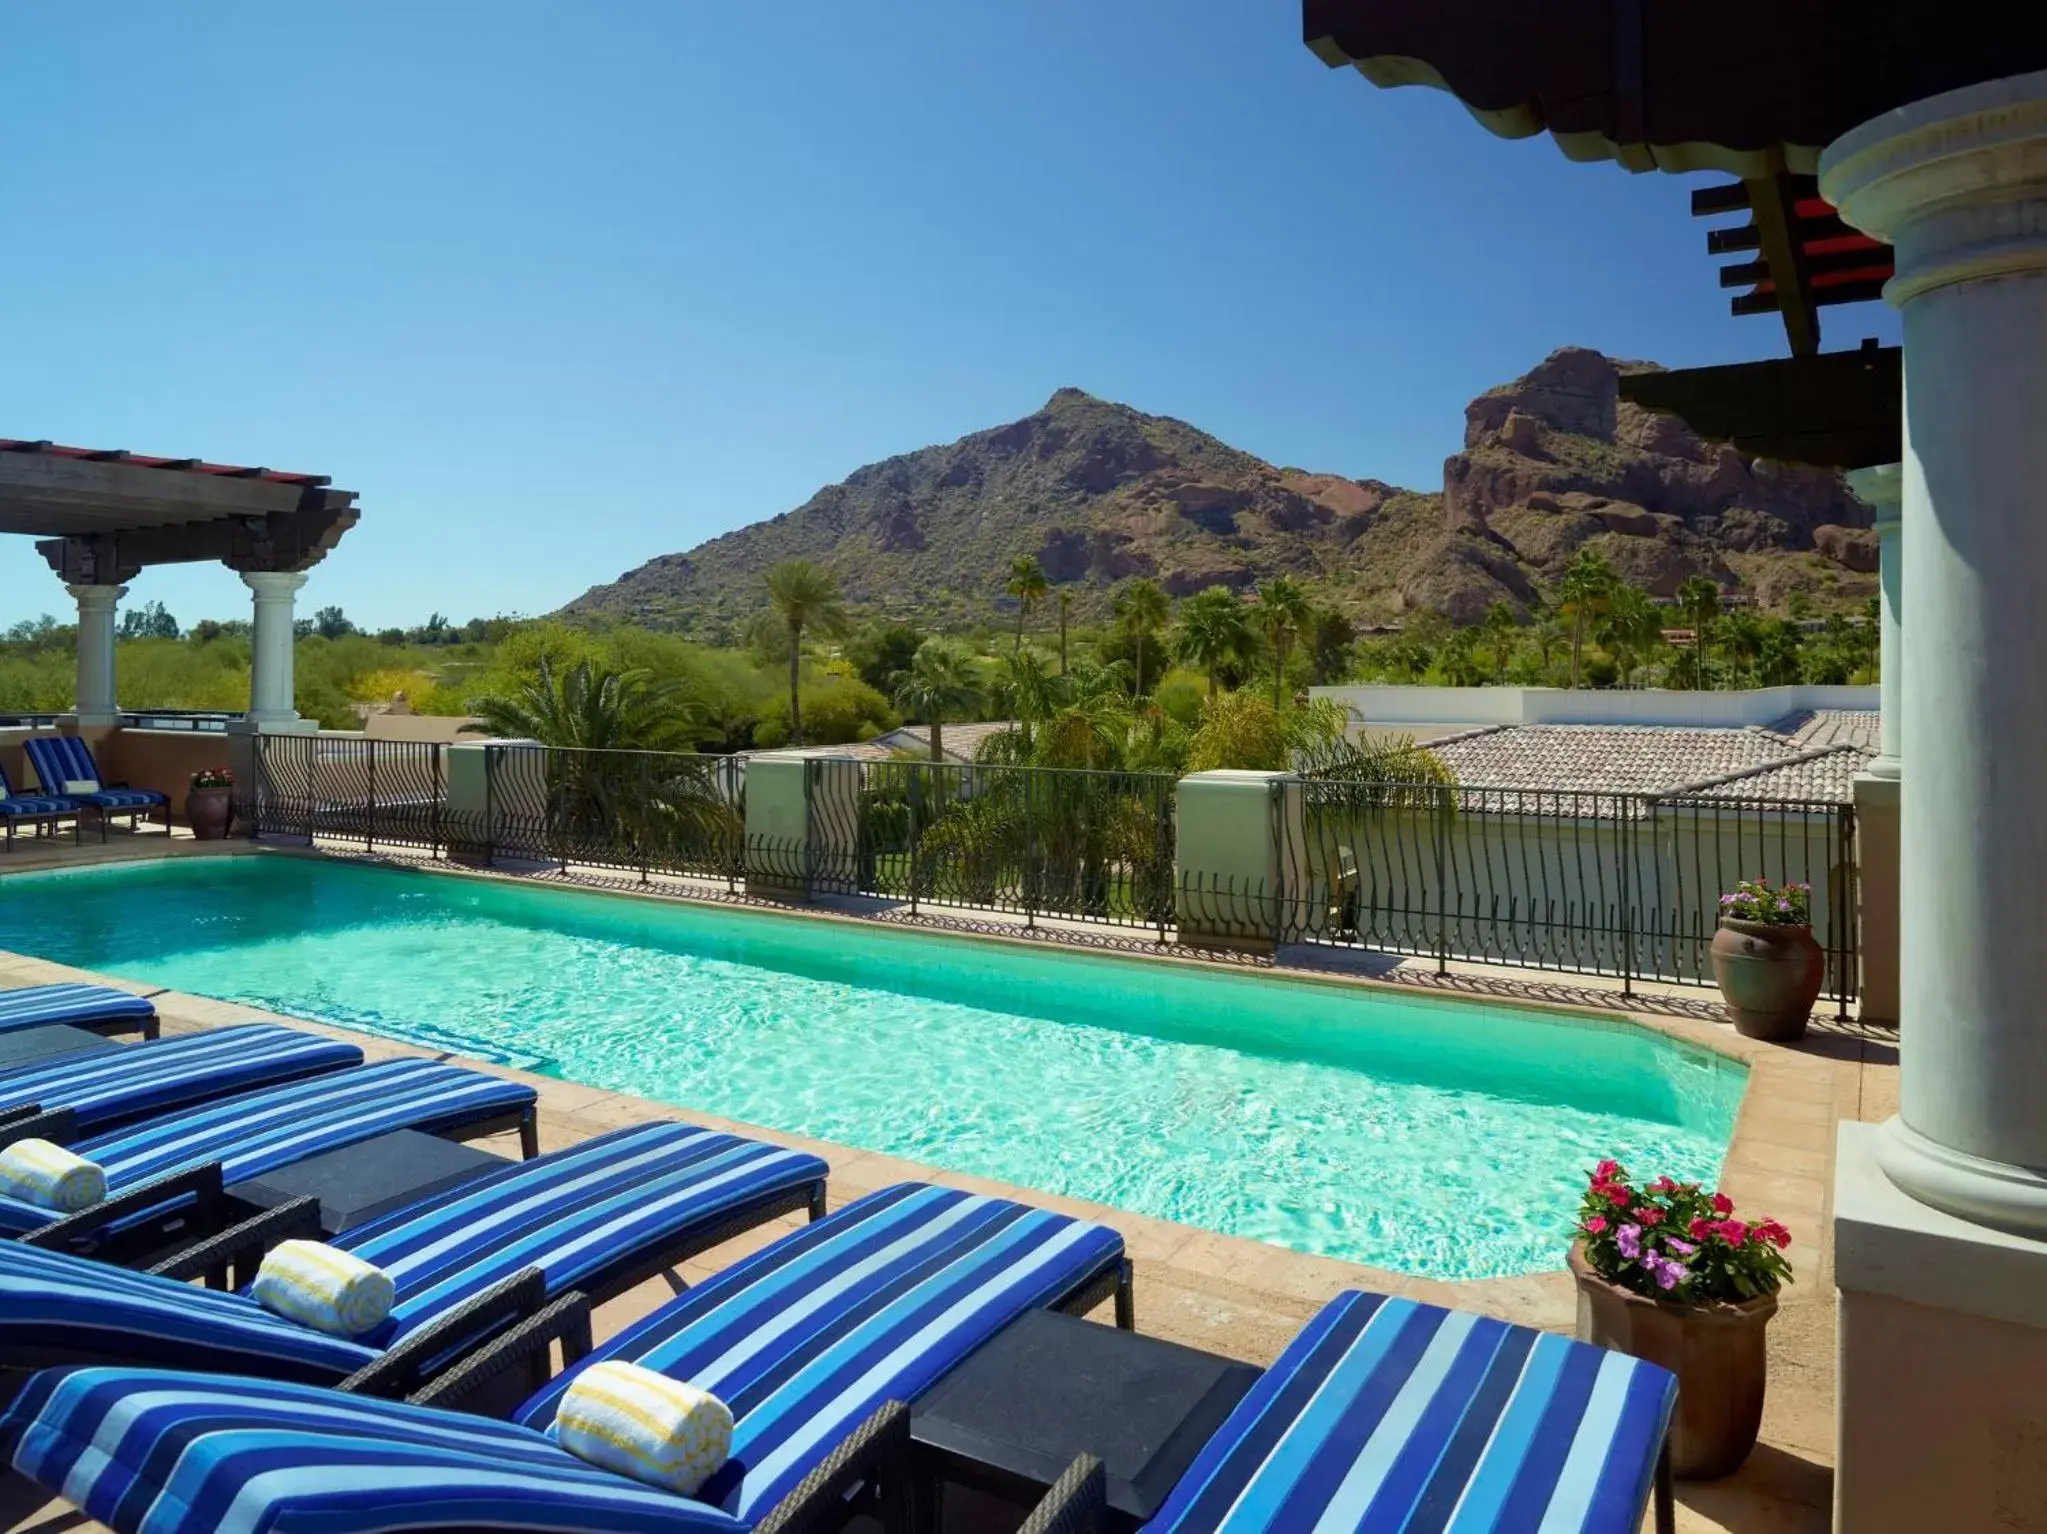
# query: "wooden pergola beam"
277,541
1773,205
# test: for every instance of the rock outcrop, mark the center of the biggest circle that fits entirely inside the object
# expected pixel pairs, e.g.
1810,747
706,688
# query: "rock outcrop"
1552,463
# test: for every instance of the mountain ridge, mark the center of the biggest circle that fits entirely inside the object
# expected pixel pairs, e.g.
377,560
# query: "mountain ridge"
1099,491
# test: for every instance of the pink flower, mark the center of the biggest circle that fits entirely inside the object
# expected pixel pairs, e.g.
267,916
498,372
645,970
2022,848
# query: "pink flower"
1681,1246
1663,1185
1775,1234
1606,1171
1701,1229
1629,1239
1722,1204
1649,1215
1733,1232
1595,1225
1668,1273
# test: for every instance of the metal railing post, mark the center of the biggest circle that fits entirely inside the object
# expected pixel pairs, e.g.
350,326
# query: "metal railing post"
369,841
1441,797
1624,889
916,798
490,805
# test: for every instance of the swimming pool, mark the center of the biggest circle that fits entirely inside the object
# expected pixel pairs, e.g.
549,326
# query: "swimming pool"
1428,1136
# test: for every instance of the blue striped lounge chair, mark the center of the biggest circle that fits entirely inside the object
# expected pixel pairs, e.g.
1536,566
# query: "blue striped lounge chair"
41,811
98,1007
63,760
594,1218
166,1161
1388,1414
103,1088
813,1341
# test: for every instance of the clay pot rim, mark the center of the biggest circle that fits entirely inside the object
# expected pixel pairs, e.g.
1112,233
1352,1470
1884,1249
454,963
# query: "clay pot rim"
1764,928
1708,1312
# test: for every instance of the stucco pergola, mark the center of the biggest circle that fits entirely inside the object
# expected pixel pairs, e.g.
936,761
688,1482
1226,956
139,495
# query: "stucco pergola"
101,517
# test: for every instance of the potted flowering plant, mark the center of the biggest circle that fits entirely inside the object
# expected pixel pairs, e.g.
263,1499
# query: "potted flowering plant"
209,803
1767,965
1667,1273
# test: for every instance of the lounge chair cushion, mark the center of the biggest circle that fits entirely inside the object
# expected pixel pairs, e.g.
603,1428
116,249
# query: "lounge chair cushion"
664,1432
257,1132
163,1453
806,1337
106,1086
1389,1414
577,1214
64,759
51,1177
56,1308
331,1291
34,807
34,1006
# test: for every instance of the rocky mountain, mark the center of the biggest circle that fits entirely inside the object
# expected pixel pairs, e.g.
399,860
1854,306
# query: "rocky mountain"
1099,491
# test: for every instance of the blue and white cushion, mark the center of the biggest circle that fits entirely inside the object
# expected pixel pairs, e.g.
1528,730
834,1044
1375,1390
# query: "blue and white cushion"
56,1308
19,806
35,1006
108,1086
257,1132
62,759
580,1215
804,1339
163,1453
1389,1414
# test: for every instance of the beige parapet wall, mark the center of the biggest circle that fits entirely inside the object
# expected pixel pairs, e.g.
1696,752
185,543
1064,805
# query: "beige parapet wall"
1429,712
802,818
1230,834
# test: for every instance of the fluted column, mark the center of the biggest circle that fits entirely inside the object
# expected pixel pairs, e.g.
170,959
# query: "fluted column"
94,696
1958,185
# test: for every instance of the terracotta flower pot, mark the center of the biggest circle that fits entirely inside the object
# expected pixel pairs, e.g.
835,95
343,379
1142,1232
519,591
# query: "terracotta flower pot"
208,811
1717,1353
1769,976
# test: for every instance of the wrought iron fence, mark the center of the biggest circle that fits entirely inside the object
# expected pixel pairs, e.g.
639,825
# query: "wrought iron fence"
1627,885
391,793
665,812
1035,841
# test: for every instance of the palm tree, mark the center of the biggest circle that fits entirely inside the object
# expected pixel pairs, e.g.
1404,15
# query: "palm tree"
593,708
1284,613
804,596
941,680
1699,600
1214,633
1743,636
1032,694
1630,628
1588,584
1028,585
1065,602
1141,610
1499,630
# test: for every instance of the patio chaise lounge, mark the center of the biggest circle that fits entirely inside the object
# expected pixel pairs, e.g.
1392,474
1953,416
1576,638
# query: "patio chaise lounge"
104,1087
65,768
98,1007
1389,1414
597,1218
42,811
168,1161
811,1341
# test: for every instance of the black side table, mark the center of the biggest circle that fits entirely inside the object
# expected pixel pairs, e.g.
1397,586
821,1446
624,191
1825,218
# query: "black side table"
33,1046
359,1182
993,1435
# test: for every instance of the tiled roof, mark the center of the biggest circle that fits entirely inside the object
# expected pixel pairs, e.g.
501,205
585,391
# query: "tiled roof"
145,461
1857,727
958,741
1812,756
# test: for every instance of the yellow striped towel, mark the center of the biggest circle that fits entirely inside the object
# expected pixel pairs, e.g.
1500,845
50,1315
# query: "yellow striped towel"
318,1286
619,1416
50,1177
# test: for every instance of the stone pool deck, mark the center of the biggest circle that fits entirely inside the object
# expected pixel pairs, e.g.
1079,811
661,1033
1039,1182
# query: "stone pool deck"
1245,1298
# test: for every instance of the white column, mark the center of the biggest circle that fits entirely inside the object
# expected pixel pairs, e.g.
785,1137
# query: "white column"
95,692
271,698
1958,184
1884,489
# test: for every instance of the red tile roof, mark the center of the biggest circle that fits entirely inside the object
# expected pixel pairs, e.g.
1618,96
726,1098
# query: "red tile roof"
146,461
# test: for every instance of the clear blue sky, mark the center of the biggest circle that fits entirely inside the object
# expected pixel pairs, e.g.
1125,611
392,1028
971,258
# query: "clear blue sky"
559,287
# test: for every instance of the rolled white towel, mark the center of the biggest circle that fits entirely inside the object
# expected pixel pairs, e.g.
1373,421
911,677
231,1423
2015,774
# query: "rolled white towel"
322,1287
664,1432
50,1177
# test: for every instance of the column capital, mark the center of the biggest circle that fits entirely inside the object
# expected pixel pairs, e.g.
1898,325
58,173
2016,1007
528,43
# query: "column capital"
1939,181
273,585
94,597
1883,487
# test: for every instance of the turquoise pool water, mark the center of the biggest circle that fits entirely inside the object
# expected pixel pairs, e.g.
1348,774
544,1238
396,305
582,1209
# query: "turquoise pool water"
1432,1137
